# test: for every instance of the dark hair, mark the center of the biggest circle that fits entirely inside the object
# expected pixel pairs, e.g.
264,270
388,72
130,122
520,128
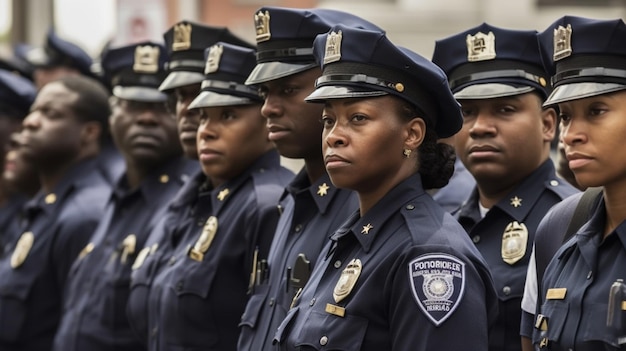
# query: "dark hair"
92,104
436,160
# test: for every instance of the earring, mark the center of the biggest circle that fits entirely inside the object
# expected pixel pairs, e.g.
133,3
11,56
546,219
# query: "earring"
407,153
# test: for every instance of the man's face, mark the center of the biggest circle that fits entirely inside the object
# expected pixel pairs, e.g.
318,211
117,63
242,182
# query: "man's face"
188,120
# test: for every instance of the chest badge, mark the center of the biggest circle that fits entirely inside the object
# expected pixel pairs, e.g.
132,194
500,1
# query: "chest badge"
348,279
141,257
204,241
24,244
514,242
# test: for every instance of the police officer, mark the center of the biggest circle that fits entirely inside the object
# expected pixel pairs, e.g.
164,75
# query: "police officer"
61,136
312,207
197,298
497,76
16,96
581,304
399,274
186,42
94,307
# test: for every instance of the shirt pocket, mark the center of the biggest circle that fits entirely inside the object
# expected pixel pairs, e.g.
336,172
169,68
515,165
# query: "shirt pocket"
116,292
250,316
595,326
324,331
556,313
14,303
283,329
137,306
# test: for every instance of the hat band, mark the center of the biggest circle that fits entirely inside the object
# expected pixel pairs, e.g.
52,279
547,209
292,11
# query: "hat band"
232,86
288,52
186,63
510,73
590,72
354,78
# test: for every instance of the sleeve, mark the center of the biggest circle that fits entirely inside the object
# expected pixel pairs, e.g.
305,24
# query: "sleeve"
437,293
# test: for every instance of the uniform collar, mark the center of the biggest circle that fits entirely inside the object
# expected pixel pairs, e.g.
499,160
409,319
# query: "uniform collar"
322,191
365,229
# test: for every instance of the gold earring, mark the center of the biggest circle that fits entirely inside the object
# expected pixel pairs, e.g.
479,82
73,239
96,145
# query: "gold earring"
407,153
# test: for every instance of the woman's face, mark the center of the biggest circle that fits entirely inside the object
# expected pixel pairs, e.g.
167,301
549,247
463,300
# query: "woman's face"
363,142
230,139
593,132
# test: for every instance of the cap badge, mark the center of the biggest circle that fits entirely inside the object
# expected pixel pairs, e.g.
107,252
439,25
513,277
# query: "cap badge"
514,241
146,59
348,279
481,47
22,248
262,25
213,60
182,37
562,42
204,241
333,47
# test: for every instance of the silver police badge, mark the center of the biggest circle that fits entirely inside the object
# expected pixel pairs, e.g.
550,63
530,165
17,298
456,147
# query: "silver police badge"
438,283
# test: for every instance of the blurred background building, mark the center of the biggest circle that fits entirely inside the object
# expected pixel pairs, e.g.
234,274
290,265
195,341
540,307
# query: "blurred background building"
412,23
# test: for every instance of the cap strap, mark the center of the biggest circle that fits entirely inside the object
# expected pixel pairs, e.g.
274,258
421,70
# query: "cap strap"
233,86
287,52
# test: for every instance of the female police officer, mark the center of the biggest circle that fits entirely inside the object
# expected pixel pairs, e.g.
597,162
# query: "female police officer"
400,273
199,294
582,289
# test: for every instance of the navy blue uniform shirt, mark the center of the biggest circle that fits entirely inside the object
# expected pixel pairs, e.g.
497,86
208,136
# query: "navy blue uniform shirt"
576,291
10,217
311,212
197,297
526,205
402,277
94,308
59,224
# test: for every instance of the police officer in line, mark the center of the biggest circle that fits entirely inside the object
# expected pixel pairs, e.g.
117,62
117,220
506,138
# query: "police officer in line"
311,206
16,96
581,304
399,274
144,130
497,76
16,64
186,42
61,137
202,284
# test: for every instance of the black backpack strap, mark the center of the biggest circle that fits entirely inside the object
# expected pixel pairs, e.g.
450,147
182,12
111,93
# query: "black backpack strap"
581,214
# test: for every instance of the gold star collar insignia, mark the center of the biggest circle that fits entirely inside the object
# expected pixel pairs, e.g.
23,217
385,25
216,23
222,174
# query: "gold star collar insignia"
323,189
222,194
366,228
516,202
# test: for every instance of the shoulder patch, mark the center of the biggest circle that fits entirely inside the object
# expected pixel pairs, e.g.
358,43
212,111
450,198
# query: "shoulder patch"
438,283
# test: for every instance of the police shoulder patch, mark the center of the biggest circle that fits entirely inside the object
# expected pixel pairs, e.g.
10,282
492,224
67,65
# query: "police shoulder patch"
438,282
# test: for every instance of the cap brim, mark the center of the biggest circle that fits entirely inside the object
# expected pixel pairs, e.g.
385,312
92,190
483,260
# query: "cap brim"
328,92
213,99
575,91
491,91
37,57
143,94
179,79
264,72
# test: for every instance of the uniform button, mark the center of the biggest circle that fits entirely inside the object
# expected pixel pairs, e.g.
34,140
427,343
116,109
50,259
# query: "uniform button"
271,303
179,286
337,264
589,275
476,239
298,228
154,332
506,290
410,207
312,302
323,340
172,261
554,182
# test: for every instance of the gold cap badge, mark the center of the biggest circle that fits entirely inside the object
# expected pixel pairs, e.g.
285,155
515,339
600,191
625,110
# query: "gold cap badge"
562,42
24,244
348,279
204,241
262,25
481,46
514,241
213,59
146,59
333,47
182,37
